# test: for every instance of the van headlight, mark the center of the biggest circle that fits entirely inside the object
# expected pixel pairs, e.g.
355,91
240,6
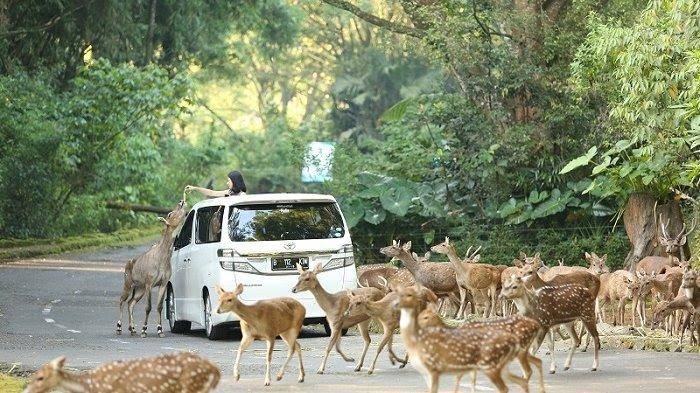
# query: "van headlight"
238,267
339,262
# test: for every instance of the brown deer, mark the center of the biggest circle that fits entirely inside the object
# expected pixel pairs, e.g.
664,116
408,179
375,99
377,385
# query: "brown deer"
334,305
619,286
382,311
149,270
675,245
552,306
437,276
265,320
528,331
474,276
368,275
439,350
177,373
666,309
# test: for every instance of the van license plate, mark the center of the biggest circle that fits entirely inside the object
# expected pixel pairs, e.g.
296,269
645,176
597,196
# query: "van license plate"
289,263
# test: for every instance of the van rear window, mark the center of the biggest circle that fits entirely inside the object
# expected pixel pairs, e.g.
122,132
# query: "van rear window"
289,221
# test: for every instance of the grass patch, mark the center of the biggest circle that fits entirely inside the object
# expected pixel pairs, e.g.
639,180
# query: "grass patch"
10,384
27,248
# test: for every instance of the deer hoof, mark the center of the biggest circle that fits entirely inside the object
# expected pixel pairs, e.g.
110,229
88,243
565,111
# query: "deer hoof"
566,368
144,335
301,379
319,372
369,372
552,371
267,383
358,368
236,376
161,334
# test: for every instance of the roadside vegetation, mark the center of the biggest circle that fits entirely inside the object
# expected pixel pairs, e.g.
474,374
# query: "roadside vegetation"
553,126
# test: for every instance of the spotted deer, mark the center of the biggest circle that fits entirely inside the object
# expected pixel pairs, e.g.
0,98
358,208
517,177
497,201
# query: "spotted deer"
176,373
369,275
528,329
335,305
476,277
556,305
265,320
436,276
382,311
439,350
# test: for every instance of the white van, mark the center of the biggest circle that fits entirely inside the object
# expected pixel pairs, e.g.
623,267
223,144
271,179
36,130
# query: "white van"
256,240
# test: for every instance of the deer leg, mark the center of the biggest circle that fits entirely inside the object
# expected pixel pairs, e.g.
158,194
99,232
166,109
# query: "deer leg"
524,364
497,379
246,340
268,359
126,293
403,361
289,337
590,325
159,307
462,302
386,337
538,365
337,347
494,300
138,294
458,379
574,344
552,364
434,382
148,311
335,335
364,331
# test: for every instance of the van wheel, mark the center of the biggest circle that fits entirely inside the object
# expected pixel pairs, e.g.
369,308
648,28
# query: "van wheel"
327,328
213,332
177,327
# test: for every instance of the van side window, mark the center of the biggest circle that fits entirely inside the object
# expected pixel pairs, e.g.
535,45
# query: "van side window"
208,229
185,236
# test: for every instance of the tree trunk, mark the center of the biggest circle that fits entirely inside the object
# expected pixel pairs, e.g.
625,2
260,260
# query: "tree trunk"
150,45
643,229
137,208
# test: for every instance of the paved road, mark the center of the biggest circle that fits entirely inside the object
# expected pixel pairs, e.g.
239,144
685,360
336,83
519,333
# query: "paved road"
66,305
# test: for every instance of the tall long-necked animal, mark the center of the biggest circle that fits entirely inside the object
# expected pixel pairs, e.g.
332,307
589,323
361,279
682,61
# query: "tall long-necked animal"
149,270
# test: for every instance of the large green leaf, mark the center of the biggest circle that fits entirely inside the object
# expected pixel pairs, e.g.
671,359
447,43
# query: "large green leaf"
353,212
397,200
397,111
579,161
375,215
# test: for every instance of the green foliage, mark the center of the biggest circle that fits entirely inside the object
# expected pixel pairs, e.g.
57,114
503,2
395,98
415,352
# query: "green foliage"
647,76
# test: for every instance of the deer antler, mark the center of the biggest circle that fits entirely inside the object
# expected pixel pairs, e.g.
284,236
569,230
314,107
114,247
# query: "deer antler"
475,252
664,231
385,283
466,255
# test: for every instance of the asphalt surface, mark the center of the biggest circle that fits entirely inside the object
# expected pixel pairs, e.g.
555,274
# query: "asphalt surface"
67,305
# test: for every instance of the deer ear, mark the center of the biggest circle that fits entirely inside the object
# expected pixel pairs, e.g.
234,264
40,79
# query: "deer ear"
682,241
348,291
299,268
522,255
517,262
219,291
407,246
58,363
318,268
394,243
239,289
588,256
447,240
415,256
477,258
537,256
427,255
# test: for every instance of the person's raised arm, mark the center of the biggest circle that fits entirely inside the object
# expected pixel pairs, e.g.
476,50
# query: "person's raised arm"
206,191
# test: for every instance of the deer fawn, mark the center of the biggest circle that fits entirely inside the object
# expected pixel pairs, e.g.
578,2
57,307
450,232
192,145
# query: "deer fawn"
265,319
334,305
552,306
438,350
382,311
618,286
178,373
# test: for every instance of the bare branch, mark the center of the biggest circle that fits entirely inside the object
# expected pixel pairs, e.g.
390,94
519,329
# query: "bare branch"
375,20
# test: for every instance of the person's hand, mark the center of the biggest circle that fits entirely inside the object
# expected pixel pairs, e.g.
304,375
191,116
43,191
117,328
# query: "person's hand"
189,188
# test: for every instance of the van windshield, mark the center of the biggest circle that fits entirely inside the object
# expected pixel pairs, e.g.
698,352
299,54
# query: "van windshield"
293,221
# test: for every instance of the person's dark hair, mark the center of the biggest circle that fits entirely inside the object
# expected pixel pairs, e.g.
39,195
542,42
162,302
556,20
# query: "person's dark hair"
238,183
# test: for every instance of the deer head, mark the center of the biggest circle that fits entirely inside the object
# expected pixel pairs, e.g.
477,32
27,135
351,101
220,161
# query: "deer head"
660,311
307,278
176,216
228,300
429,317
513,288
674,245
597,265
444,247
48,378
533,260
424,258
396,249
357,303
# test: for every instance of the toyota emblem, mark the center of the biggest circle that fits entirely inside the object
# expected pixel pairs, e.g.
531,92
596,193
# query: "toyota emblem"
289,246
